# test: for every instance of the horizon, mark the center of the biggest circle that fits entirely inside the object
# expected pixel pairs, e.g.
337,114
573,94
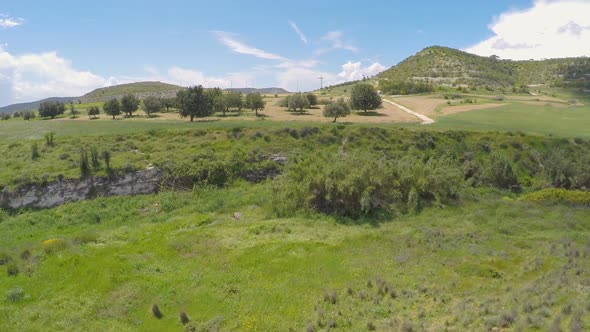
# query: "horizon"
42,56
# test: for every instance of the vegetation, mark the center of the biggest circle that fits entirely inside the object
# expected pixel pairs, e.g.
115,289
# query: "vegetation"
404,87
442,66
152,105
129,104
364,97
297,102
338,109
112,108
93,111
254,101
51,109
194,103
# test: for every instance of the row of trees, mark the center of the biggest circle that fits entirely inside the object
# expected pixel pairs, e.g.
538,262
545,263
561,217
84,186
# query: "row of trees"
198,102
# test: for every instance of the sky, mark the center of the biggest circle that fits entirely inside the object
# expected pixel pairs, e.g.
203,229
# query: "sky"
68,48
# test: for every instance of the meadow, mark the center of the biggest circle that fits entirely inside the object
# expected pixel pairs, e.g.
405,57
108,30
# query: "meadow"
478,222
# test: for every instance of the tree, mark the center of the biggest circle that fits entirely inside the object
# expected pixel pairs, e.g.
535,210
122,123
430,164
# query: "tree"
4,116
16,115
152,105
234,99
254,101
168,103
194,103
312,99
364,97
112,107
73,111
129,104
337,109
28,115
218,100
93,111
298,101
51,109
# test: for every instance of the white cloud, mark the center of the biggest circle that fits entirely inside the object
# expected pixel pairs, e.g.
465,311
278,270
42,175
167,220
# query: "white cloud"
298,32
36,76
355,71
549,29
239,47
336,41
10,22
297,79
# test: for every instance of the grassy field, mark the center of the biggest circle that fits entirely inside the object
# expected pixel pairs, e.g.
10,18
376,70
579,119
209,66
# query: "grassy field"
538,120
490,263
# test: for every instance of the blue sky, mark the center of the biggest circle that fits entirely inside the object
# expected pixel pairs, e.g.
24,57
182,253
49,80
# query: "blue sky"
71,47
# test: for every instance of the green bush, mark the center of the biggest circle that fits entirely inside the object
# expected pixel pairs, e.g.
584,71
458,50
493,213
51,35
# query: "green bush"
363,183
15,294
558,195
500,173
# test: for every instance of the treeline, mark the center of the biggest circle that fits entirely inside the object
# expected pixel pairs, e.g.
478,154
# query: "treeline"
404,87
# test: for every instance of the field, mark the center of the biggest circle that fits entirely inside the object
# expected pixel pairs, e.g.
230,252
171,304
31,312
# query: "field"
478,222
497,262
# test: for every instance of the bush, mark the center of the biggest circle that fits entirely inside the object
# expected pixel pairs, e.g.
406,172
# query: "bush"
500,173
11,269
54,245
15,294
577,197
361,184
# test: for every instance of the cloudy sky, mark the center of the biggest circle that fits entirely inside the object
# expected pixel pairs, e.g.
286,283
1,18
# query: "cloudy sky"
67,48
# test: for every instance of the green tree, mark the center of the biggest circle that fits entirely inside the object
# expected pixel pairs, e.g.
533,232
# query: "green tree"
28,115
254,101
337,109
16,115
73,111
129,104
194,103
152,105
298,102
4,116
93,111
112,107
312,99
51,109
218,100
235,100
169,103
364,97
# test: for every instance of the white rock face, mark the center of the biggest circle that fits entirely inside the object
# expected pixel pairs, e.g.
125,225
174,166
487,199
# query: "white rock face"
60,192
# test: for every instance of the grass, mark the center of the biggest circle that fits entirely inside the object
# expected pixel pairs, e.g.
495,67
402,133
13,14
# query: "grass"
563,122
464,268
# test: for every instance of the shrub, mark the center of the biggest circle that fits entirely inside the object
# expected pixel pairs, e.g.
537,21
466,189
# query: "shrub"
577,197
156,311
4,258
184,318
361,184
49,138
15,294
84,165
35,152
11,269
54,245
500,173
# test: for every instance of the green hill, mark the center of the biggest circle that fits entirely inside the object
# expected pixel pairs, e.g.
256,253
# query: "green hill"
140,89
443,66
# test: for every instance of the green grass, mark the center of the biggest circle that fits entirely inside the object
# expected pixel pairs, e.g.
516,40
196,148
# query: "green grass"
537,120
462,268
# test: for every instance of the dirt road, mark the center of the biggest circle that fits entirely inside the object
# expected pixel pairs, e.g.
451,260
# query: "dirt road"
424,118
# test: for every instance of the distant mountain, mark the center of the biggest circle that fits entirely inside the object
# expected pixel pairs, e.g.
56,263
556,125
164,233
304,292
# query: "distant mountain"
140,89
264,91
32,105
446,66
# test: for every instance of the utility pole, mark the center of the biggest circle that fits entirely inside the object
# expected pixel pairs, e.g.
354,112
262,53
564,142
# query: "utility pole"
321,78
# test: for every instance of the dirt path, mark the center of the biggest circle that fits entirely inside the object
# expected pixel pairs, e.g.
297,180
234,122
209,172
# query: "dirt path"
424,118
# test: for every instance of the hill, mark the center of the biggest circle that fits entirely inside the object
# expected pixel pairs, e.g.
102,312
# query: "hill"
32,105
264,91
443,66
139,89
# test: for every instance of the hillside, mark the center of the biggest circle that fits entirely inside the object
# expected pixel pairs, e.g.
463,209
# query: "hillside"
32,105
443,66
140,89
